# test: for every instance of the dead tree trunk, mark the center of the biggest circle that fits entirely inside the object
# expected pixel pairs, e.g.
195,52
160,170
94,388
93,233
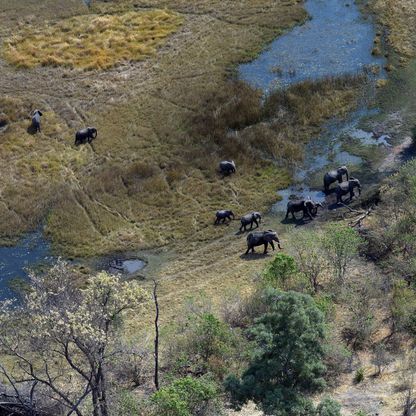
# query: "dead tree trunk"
156,351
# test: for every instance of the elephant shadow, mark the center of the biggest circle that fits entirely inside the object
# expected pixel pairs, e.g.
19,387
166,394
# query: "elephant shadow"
297,221
253,256
246,232
345,201
31,130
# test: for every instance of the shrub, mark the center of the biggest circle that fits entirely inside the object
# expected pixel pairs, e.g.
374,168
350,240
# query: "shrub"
125,404
186,397
403,307
341,244
281,269
328,407
380,357
309,255
359,376
358,297
204,345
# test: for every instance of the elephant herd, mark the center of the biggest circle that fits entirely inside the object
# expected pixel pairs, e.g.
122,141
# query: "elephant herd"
308,207
82,136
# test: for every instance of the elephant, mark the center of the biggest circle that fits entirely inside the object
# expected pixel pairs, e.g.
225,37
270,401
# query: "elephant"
227,167
223,215
36,115
335,175
86,135
249,219
307,206
347,187
259,238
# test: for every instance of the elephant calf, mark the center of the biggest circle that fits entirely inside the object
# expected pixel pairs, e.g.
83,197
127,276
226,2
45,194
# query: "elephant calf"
86,135
347,187
37,114
223,215
249,219
259,238
307,206
227,167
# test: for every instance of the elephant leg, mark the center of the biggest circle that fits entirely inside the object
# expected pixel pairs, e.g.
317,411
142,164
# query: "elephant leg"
257,224
272,244
248,249
287,214
351,194
293,215
265,247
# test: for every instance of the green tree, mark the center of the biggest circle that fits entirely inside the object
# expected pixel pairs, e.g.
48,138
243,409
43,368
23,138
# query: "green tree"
186,397
341,244
63,337
288,360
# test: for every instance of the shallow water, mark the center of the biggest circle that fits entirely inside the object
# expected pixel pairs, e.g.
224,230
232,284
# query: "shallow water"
336,40
128,267
34,251
31,251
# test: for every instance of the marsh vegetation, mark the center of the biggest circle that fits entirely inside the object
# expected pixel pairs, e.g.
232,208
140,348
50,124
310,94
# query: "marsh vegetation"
323,328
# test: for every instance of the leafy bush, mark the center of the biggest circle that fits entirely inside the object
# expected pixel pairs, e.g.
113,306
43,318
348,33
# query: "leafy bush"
280,270
187,396
203,344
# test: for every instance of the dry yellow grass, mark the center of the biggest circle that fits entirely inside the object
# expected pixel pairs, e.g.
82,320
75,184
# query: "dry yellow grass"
92,41
400,17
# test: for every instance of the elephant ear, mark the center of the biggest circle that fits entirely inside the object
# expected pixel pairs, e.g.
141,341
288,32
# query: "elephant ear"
268,236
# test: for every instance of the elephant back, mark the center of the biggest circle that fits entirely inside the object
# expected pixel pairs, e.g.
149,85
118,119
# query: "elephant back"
332,174
344,186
